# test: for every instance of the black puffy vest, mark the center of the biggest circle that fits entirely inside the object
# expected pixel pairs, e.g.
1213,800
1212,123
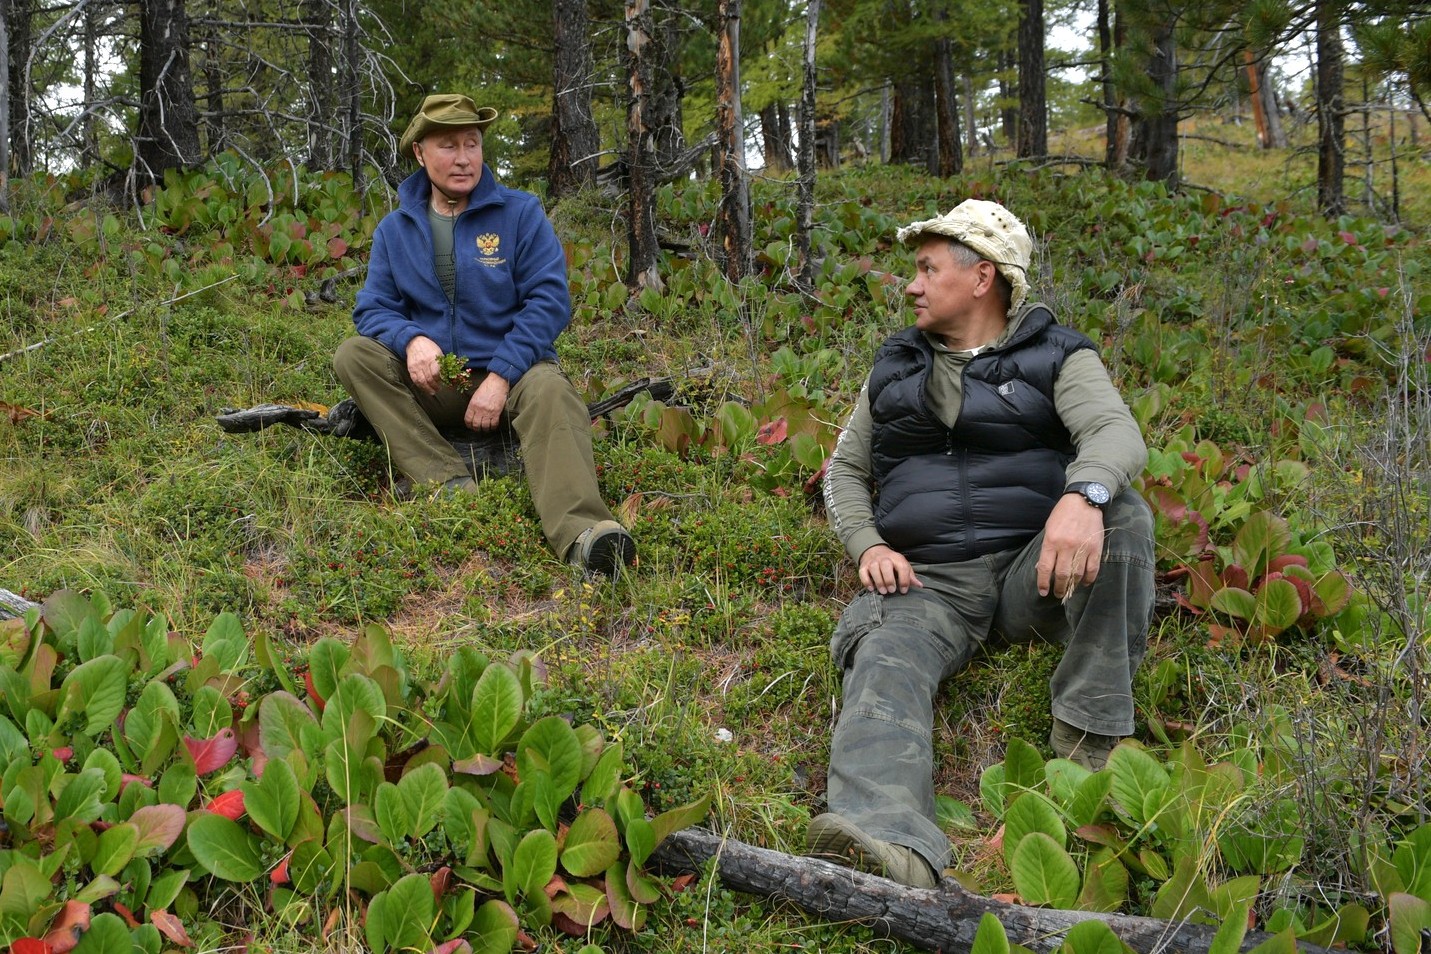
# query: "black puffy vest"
989,483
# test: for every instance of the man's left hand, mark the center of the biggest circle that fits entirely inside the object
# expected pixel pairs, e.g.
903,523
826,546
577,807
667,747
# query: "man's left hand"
488,401
1072,547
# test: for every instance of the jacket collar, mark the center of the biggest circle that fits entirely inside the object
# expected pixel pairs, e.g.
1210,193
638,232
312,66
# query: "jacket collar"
415,190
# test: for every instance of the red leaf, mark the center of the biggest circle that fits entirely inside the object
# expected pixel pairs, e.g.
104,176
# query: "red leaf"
211,754
128,915
64,753
440,880
337,248
1235,575
171,927
229,804
279,874
772,432
29,945
455,946
126,779
312,692
682,882
67,927
1286,560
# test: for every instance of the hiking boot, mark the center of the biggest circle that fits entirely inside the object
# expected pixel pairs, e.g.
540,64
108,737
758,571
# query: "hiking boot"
454,486
836,838
1088,749
603,547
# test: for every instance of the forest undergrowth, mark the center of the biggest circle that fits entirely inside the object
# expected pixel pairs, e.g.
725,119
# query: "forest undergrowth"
1279,365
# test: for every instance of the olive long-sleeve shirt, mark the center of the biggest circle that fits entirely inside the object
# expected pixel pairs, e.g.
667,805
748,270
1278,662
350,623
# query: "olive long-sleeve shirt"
1110,448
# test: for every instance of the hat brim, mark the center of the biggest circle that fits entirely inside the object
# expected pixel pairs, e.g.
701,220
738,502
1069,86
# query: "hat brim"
422,126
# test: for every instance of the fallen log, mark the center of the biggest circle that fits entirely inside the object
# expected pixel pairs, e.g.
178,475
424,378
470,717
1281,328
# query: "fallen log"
490,454
944,918
13,605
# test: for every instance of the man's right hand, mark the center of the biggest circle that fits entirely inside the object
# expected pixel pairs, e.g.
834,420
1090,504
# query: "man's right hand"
886,571
422,366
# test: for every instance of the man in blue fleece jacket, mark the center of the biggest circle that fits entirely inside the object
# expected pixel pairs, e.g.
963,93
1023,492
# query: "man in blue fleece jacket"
467,267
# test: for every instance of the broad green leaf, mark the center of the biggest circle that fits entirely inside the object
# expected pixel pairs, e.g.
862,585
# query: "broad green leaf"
990,937
626,911
640,840
550,745
1184,895
1136,776
1283,942
105,762
81,796
310,866
457,808
1043,872
592,844
994,790
1407,916
107,934
224,848
582,903
390,810
210,713
1105,883
423,790
326,661
1093,937
1412,858
1023,765
23,888
952,813
343,767
682,816
178,784
1235,602
116,846
159,826
165,888
1262,537
533,864
1028,813
283,722
1278,605
375,923
496,707
604,776
355,694
1090,798
410,912
94,639
143,723
494,928
97,689
1064,777
272,801
226,641
1228,939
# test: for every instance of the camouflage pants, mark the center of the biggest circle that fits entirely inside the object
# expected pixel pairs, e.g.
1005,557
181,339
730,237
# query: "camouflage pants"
896,650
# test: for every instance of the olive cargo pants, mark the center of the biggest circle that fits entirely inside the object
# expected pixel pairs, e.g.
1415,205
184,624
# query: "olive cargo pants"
547,414
895,651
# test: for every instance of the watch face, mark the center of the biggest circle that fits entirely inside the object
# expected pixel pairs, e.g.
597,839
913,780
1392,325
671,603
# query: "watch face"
1097,493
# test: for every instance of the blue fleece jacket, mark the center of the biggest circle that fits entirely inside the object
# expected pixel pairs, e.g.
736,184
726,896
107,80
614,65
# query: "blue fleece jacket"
511,298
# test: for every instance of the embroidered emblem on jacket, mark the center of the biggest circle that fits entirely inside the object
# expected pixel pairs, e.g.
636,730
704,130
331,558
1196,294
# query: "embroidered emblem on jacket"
488,244
1006,388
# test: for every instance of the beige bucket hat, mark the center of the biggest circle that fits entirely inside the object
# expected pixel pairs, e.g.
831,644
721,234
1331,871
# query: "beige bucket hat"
989,229
444,111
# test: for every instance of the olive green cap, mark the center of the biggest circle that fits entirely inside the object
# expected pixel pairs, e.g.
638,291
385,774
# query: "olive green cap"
444,111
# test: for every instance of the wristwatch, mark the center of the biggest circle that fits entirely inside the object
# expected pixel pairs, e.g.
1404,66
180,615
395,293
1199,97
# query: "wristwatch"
1092,491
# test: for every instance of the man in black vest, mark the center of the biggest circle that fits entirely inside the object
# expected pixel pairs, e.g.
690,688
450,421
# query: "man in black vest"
983,485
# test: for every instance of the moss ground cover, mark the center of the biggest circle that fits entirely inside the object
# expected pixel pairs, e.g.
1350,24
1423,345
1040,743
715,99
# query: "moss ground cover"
1276,361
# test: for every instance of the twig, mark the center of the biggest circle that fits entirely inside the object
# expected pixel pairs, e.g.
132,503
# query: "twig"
122,314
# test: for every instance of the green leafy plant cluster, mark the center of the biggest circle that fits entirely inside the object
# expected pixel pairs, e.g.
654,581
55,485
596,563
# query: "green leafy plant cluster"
144,782
1241,559
1190,841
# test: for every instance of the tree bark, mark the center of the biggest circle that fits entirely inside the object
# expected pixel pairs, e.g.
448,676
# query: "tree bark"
18,19
575,139
318,24
805,204
775,138
13,604
1033,107
4,107
168,116
734,215
1008,114
938,919
641,214
946,106
1160,127
1331,114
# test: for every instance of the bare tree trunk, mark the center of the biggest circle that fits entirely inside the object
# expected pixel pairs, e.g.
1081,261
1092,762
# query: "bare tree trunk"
805,206
971,131
1112,117
89,151
4,108
641,215
352,96
946,108
575,139
18,19
734,216
168,116
775,138
1267,91
212,119
1331,117
1160,129
1033,107
318,23
1254,93
1008,114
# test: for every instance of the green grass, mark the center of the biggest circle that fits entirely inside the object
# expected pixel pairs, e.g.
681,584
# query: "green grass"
124,484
